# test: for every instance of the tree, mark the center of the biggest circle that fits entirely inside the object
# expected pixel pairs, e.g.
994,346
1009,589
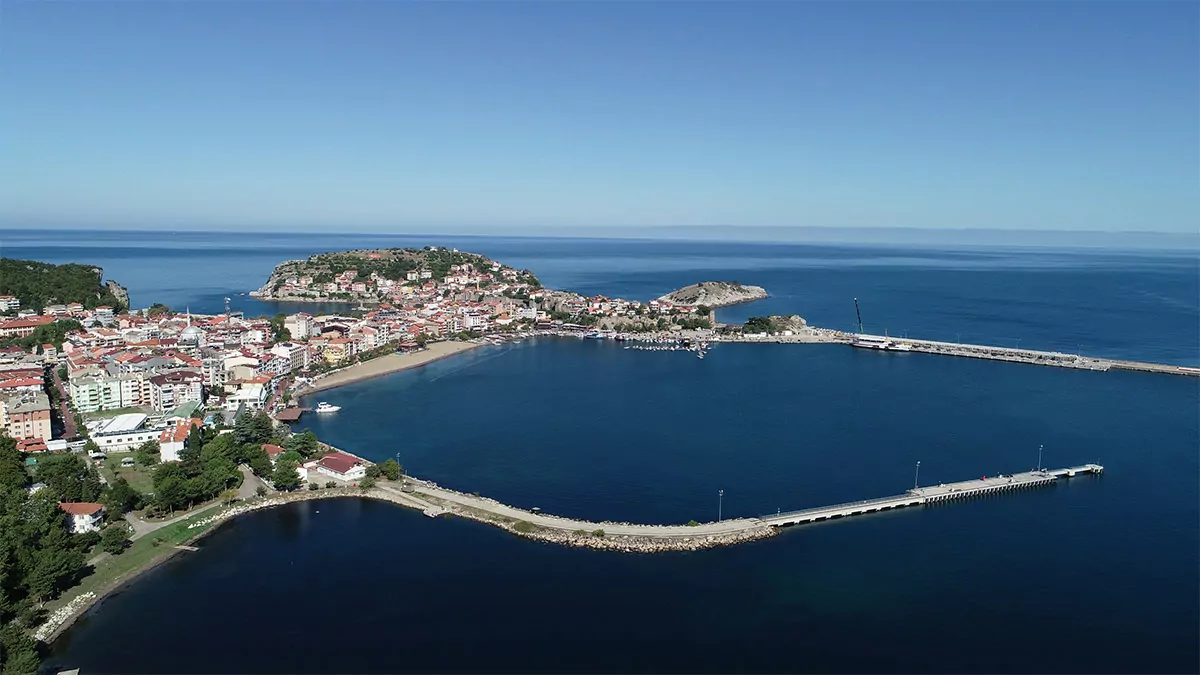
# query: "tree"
374,471
260,491
120,498
158,309
12,468
148,453
53,571
70,477
367,483
392,469
252,428
305,443
228,496
285,478
18,650
256,458
114,539
703,310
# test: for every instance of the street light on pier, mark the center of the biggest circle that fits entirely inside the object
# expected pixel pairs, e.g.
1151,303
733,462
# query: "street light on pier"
917,476
1040,457
720,500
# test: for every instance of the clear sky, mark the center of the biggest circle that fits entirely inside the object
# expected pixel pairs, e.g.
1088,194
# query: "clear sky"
423,115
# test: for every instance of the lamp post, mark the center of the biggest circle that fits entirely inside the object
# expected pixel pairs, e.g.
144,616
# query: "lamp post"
917,475
720,500
1040,457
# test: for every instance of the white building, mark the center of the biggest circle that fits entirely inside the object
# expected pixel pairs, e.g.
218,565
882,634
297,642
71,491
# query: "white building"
83,516
295,353
171,390
123,433
299,325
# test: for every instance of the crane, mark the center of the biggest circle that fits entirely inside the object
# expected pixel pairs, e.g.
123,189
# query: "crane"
856,311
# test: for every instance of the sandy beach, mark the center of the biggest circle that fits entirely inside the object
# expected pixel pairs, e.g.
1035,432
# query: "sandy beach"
389,364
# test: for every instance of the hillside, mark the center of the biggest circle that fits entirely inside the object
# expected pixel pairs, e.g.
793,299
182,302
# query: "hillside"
715,294
38,284
331,276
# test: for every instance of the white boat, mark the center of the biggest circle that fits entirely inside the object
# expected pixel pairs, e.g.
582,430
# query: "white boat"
324,407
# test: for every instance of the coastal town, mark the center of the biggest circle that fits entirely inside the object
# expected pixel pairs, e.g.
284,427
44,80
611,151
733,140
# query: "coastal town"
144,427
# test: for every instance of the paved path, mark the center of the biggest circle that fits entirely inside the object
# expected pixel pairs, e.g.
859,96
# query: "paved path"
572,525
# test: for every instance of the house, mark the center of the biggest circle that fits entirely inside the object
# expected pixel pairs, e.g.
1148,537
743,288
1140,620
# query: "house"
23,327
26,415
173,439
83,516
341,466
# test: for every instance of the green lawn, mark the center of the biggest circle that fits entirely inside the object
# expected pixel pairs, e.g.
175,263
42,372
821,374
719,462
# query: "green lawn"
139,477
141,553
105,414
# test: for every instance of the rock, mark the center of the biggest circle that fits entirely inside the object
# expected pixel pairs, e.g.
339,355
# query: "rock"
715,294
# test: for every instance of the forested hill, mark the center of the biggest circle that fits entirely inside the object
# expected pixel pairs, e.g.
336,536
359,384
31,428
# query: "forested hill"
37,284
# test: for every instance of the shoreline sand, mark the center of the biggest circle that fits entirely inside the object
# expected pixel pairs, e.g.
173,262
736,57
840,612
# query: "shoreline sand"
384,365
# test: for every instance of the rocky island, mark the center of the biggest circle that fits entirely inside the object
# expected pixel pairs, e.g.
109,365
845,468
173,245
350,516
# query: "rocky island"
715,294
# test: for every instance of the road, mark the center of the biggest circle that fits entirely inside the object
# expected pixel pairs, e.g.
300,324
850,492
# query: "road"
571,525
70,431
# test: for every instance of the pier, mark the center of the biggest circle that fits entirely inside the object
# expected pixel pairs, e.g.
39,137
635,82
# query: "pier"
933,494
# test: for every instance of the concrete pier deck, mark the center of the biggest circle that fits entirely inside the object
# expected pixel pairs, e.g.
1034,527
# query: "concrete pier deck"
933,494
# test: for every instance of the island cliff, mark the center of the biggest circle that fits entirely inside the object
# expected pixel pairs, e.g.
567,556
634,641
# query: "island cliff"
715,294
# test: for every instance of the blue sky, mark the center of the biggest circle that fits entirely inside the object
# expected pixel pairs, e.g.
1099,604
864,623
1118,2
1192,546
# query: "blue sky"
497,116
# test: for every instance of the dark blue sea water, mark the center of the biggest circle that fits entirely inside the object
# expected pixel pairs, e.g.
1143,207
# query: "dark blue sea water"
1097,575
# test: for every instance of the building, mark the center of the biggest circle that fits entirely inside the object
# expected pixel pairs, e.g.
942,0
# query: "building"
300,326
341,466
23,327
26,415
295,353
173,439
9,303
173,389
83,516
100,391
123,433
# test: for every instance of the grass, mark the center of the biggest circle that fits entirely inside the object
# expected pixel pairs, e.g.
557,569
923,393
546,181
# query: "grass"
139,477
140,554
524,527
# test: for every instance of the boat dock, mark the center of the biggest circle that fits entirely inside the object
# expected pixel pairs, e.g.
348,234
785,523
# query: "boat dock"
933,494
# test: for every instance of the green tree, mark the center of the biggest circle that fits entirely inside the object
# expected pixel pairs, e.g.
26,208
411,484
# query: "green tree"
120,498
285,477
367,483
252,428
392,469
54,569
148,453
256,458
70,477
12,468
158,309
304,443
374,471
115,538
260,491
18,651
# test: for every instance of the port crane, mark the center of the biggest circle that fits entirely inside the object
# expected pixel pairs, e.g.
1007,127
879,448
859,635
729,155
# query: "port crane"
856,311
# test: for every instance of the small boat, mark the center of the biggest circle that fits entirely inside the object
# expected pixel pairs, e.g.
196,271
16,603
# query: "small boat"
324,407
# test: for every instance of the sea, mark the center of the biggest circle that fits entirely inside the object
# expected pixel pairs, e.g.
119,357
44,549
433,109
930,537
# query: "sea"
1098,574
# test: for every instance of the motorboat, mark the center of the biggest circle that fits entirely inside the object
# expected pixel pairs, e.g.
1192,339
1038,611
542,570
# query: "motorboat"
324,407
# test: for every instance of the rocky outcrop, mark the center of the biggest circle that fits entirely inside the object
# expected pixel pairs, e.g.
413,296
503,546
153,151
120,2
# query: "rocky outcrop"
715,294
119,292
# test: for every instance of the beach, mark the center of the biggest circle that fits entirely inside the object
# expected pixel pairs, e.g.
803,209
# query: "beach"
389,364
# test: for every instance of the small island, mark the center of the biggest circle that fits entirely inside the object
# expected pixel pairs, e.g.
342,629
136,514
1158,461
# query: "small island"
715,294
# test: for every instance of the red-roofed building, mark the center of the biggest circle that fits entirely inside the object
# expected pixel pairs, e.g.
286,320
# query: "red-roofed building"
341,466
83,516
273,451
23,327
173,440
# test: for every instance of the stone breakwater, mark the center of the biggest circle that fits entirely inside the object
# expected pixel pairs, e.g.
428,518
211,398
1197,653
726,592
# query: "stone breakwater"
60,615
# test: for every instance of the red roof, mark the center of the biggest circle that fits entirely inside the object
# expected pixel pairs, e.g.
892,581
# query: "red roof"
81,508
273,450
339,462
30,322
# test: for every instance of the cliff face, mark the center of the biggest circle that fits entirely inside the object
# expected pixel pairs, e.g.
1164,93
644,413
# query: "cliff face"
715,294
119,292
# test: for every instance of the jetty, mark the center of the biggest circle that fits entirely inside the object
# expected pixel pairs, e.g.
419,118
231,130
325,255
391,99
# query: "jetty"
933,494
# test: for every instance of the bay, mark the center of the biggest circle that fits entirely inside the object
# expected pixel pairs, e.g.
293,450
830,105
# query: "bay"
1095,575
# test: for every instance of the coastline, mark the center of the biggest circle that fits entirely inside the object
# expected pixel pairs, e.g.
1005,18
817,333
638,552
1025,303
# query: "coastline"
434,501
384,365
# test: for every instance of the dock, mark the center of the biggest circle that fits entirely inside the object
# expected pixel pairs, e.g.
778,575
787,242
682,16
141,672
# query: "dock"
933,494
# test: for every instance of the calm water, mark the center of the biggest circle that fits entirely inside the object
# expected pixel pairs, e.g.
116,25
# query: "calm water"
1095,575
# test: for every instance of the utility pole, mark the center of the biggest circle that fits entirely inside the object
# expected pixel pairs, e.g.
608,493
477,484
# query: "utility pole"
917,476
720,500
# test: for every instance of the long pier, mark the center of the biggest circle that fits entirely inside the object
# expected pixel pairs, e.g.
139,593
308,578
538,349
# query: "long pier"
1035,357
933,494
